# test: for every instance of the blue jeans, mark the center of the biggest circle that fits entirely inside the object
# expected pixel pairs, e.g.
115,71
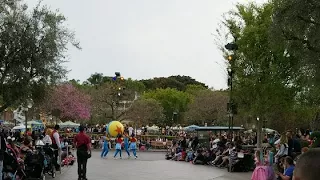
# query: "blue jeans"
117,151
126,147
134,152
104,152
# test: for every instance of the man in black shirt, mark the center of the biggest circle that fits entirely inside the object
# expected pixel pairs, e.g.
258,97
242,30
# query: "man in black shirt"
294,146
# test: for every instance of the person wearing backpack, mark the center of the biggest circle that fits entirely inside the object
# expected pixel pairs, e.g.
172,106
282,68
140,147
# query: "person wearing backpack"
283,148
282,152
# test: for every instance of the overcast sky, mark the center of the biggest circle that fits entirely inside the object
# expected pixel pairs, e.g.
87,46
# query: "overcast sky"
143,39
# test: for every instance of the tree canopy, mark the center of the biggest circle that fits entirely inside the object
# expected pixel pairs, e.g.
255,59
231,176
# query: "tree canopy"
32,47
67,103
272,80
174,103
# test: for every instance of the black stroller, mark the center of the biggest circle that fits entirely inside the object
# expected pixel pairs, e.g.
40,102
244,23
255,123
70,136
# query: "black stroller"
12,169
49,168
34,164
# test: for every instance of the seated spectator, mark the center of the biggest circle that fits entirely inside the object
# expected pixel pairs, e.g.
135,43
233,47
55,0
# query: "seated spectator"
181,155
199,158
307,167
208,157
225,153
288,169
189,155
13,147
25,147
225,159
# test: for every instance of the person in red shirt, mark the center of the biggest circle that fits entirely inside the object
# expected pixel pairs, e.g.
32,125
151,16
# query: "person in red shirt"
119,141
133,146
82,143
28,133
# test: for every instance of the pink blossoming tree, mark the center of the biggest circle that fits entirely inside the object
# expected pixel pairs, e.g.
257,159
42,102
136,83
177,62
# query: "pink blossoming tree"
68,103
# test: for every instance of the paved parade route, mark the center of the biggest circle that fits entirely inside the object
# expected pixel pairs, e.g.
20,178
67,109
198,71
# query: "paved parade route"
149,165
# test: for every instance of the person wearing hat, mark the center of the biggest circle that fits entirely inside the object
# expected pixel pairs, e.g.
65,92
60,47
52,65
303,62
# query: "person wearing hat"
82,143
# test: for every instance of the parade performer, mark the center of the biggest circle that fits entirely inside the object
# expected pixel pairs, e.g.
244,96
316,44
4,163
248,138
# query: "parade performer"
105,147
119,141
133,146
126,144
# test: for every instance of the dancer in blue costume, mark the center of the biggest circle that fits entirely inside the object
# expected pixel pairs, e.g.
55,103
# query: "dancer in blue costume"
105,147
126,143
119,141
133,146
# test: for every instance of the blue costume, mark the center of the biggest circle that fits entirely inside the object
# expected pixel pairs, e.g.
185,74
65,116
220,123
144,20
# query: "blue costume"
105,148
133,146
126,145
118,147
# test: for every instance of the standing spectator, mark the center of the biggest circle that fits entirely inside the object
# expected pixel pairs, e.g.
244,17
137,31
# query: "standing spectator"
47,139
293,145
283,150
55,138
2,150
130,129
82,142
272,138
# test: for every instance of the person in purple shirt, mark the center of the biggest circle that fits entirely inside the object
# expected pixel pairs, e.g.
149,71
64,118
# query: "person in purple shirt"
288,169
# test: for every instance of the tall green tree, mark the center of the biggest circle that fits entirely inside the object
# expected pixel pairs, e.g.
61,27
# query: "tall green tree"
32,47
208,107
264,77
145,112
111,99
194,89
174,103
177,82
98,79
297,25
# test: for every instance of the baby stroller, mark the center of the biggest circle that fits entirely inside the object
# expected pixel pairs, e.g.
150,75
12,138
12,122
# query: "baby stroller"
12,169
34,165
49,168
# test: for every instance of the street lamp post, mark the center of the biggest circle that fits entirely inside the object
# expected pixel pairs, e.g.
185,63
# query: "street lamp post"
29,106
231,107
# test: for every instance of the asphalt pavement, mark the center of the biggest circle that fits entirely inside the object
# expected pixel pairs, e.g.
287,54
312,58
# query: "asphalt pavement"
149,165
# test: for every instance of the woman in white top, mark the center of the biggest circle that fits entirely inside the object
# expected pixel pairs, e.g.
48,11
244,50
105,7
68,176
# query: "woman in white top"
283,149
47,138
